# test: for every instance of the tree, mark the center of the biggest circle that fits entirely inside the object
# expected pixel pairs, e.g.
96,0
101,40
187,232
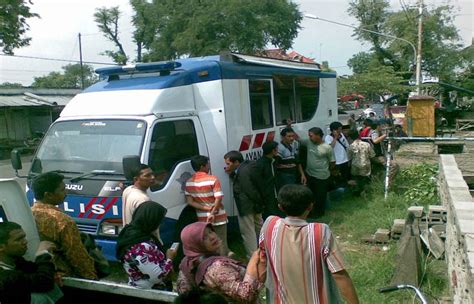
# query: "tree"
375,83
11,85
13,26
107,21
71,78
440,47
174,28
360,62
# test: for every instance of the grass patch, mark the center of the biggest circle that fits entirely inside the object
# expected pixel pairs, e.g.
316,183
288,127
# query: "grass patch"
371,266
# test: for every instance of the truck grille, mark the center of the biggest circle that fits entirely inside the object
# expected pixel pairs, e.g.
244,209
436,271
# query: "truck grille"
87,228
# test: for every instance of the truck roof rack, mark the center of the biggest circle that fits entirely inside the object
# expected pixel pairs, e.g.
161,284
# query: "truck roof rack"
268,61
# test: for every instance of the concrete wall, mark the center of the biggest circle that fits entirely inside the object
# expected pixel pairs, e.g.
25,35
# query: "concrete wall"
458,201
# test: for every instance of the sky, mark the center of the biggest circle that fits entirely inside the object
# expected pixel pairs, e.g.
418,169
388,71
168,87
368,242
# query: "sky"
55,34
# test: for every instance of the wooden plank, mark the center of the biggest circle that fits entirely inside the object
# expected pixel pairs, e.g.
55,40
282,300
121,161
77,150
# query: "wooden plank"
408,258
464,124
433,242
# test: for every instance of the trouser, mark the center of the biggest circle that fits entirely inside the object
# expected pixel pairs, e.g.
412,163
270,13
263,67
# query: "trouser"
345,176
319,187
286,177
221,231
360,183
250,226
380,162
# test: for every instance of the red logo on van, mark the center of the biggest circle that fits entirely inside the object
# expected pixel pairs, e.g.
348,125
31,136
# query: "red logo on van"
258,141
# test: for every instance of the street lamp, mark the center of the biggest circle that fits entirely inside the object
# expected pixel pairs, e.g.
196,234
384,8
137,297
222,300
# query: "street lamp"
418,70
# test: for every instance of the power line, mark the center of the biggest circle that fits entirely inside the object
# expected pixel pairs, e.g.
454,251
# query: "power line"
56,59
28,71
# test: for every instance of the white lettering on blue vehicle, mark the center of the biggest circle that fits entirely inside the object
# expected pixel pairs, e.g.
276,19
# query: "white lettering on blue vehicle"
74,187
94,208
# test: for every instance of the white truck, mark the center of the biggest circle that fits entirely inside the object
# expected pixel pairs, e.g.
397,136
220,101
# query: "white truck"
165,113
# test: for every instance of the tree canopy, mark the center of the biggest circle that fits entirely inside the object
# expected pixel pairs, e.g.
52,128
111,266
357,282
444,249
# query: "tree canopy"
11,85
107,21
374,83
13,26
173,28
69,79
440,39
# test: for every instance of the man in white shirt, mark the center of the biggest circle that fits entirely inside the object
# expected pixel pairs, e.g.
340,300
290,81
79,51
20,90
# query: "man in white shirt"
339,144
136,194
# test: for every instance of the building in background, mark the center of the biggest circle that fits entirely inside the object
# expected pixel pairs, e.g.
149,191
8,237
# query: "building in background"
26,113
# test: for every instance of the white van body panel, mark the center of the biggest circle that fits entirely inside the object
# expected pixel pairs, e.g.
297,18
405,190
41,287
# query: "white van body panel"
131,102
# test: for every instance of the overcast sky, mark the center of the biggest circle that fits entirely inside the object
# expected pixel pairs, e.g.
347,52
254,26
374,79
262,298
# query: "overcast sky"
55,34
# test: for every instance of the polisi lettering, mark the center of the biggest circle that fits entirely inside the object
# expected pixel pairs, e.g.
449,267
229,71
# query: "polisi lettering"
74,187
94,208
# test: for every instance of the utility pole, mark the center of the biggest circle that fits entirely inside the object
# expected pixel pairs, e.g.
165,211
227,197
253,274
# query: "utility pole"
80,60
420,38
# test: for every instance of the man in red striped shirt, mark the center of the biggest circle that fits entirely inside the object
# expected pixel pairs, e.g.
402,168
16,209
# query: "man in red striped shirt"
203,192
304,264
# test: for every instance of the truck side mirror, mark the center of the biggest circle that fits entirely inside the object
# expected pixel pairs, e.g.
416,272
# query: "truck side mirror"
15,157
16,160
130,163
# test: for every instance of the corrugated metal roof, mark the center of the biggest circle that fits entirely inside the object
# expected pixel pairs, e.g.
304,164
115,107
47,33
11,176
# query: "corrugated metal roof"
26,101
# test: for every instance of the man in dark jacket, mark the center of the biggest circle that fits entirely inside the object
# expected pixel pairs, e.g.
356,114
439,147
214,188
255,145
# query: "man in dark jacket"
247,182
20,280
266,164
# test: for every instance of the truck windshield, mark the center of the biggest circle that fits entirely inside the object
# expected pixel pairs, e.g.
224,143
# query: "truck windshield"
86,145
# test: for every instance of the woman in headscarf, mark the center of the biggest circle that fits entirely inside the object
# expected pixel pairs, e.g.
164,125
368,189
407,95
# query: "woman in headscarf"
202,267
141,251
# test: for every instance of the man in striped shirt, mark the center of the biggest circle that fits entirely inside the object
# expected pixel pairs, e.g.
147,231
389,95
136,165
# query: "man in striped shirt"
304,264
203,192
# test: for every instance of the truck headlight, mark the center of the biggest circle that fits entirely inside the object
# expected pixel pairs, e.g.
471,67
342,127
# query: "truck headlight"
111,228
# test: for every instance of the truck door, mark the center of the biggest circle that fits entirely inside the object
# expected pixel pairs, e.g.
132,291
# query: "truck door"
172,143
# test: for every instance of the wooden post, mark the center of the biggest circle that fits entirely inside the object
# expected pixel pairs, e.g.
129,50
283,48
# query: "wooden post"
408,259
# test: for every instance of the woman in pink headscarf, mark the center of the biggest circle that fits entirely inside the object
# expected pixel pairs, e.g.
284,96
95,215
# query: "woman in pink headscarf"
202,267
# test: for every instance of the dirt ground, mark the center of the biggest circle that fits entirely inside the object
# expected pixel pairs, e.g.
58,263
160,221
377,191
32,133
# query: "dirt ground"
415,152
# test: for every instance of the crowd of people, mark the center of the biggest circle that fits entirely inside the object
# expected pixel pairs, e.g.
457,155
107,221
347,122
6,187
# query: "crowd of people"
296,260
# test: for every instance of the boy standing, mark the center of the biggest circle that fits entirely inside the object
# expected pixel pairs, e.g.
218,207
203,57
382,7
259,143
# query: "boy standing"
304,264
203,192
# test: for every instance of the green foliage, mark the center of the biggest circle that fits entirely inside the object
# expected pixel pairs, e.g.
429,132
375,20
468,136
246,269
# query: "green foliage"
375,82
440,39
466,77
107,21
420,183
360,62
372,266
71,78
13,26
10,85
170,29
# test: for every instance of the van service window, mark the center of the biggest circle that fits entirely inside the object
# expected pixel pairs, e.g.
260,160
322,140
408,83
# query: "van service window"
171,143
261,104
295,97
